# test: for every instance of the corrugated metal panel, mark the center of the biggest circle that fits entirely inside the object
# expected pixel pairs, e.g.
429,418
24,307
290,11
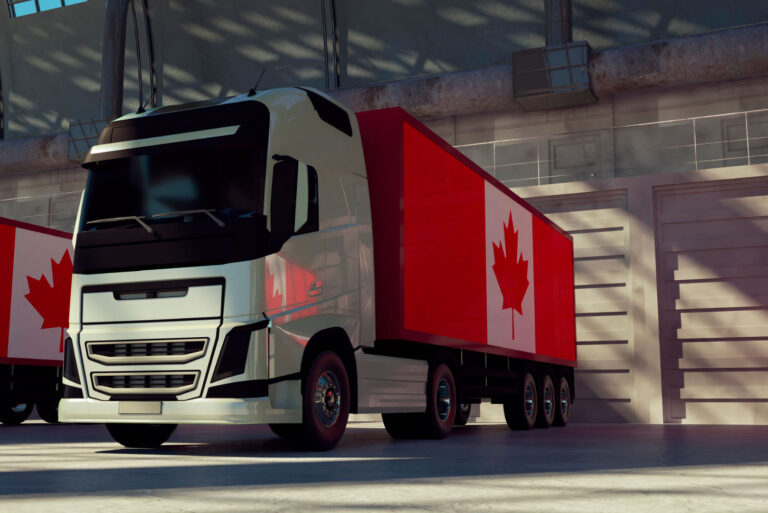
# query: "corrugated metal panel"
712,254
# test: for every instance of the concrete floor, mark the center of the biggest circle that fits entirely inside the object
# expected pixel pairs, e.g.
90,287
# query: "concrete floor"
590,468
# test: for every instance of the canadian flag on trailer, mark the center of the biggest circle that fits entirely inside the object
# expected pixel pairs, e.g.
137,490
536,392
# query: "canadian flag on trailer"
460,260
35,283
509,283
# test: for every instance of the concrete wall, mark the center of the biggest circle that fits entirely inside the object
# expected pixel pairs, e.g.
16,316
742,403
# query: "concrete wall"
606,24
50,65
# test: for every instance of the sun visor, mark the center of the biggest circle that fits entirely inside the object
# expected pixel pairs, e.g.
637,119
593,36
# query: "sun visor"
175,128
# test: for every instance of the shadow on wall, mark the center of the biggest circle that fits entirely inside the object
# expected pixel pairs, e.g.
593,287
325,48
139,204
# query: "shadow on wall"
206,48
606,24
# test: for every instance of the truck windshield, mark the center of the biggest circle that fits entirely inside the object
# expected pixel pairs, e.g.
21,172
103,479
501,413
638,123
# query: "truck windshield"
173,187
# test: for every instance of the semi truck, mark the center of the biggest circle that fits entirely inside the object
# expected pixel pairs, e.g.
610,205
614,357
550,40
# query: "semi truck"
276,258
35,278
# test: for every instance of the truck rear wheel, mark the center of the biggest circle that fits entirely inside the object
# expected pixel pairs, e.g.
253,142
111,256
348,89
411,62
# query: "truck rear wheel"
521,410
547,404
141,436
563,410
13,411
48,409
437,421
325,403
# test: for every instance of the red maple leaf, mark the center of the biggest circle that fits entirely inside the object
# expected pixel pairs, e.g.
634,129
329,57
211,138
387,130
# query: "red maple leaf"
511,271
52,302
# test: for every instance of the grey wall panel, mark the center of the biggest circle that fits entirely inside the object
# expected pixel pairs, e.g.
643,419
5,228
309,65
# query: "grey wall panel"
712,245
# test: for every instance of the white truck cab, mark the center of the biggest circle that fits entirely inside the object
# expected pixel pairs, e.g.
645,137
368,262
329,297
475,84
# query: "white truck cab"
223,273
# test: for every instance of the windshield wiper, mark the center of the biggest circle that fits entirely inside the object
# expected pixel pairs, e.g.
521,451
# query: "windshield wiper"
138,219
206,211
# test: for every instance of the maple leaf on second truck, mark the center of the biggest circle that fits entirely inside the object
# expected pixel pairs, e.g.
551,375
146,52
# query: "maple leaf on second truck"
511,271
52,301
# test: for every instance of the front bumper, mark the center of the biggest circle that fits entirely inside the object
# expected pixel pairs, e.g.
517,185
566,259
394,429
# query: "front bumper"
195,411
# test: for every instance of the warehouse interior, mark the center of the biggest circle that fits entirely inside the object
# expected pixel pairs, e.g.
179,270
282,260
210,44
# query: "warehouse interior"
640,127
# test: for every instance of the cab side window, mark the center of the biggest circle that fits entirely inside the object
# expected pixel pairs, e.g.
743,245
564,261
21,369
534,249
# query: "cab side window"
307,208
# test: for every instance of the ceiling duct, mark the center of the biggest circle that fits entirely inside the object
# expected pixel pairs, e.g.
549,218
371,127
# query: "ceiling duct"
556,76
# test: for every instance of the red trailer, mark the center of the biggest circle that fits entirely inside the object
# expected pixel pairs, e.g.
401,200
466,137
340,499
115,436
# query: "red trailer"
35,280
463,263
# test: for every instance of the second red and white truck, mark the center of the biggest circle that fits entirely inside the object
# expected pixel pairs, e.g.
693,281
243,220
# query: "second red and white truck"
276,258
35,277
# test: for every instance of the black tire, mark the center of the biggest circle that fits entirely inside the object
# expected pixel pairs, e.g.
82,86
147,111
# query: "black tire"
441,402
287,431
325,404
521,410
48,409
437,421
564,404
141,436
14,411
462,414
547,403
404,425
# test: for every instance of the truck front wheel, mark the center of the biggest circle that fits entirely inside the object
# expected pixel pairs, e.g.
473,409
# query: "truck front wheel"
325,403
141,436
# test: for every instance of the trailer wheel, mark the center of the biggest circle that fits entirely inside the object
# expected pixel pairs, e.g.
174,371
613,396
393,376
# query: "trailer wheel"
13,411
563,411
462,414
521,410
547,404
48,409
326,403
141,436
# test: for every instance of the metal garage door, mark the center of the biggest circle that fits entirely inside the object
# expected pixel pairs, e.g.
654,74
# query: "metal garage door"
712,261
605,377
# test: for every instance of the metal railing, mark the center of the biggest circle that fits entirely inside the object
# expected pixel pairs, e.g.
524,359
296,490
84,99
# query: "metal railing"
721,140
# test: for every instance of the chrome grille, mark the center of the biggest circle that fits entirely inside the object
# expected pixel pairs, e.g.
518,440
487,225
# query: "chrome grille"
146,351
145,383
